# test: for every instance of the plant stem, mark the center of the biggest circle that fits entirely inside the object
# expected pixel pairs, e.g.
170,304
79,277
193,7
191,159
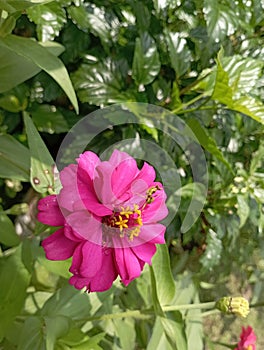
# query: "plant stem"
146,314
195,99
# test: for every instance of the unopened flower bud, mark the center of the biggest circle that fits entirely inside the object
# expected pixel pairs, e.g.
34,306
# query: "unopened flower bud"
233,305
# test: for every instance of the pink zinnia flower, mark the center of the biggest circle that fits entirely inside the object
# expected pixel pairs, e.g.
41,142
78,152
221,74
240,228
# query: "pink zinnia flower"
108,212
247,339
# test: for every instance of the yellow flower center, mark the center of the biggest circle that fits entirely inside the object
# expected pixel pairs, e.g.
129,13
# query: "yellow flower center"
127,220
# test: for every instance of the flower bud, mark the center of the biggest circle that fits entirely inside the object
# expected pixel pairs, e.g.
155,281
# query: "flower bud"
233,305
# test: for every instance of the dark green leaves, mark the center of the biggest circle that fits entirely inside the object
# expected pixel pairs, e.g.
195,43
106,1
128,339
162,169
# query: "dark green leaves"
146,63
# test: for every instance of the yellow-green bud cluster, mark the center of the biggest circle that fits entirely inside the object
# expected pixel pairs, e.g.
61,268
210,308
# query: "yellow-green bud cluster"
233,306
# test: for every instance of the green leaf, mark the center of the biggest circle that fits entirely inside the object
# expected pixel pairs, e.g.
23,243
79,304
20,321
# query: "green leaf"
158,340
142,15
221,19
14,282
7,25
163,275
180,55
49,19
207,142
41,57
194,327
56,327
32,334
93,19
14,159
102,83
48,119
16,69
257,159
243,209
60,268
146,62
232,81
173,327
8,234
41,333
212,254
15,5
125,330
42,164
155,299
72,303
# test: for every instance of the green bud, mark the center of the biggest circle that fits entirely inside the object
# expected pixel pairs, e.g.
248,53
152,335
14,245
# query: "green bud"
233,306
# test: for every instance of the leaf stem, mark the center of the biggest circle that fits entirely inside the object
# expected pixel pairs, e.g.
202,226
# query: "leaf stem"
195,99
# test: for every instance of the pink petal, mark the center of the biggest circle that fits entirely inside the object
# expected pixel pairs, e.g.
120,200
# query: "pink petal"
103,280
58,247
118,157
157,210
87,260
91,259
102,183
128,265
88,162
86,226
106,276
147,173
145,252
71,234
150,233
78,192
79,282
123,175
49,211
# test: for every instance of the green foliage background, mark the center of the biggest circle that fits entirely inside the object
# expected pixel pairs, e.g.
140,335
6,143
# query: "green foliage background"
202,60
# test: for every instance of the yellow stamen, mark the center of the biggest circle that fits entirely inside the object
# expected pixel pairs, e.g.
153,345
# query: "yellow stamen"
121,223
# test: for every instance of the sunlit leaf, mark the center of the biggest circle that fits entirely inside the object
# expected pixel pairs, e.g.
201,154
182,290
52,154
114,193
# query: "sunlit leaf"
146,62
221,19
180,55
49,19
93,19
102,83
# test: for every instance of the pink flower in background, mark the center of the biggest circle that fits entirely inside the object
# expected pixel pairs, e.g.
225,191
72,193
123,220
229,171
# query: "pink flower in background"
247,339
109,213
